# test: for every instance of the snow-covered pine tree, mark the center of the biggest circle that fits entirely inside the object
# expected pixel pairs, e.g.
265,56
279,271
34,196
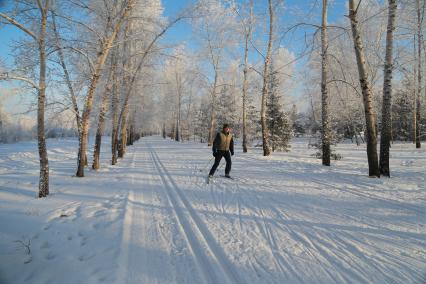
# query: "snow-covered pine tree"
202,120
280,130
226,108
402,114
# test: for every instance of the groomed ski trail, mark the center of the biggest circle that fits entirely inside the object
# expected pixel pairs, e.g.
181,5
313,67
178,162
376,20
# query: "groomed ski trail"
212,261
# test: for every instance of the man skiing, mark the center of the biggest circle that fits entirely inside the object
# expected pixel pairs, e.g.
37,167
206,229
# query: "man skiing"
223,146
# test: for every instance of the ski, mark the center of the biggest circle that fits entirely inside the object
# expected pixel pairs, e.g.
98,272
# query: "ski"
210,179
223,176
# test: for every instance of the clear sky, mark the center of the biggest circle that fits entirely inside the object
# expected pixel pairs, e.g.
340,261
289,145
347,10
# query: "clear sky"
182,31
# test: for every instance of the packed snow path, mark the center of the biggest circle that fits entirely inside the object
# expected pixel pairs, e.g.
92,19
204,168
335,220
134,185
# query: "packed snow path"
153,218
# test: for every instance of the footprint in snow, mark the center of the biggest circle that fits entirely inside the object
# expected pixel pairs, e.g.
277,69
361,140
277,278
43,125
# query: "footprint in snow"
50,256
83,241
85,257
45,245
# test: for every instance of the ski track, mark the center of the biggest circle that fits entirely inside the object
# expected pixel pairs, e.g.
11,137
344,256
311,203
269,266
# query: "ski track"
214,266
123,257
151,242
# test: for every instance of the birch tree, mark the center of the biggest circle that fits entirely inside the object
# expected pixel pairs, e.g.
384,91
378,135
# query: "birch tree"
370,116
267,61
324,90
247,25
114,106
419,37
385,136
103,108
39,38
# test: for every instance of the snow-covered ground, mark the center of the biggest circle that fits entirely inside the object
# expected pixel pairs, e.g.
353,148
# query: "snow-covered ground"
153,219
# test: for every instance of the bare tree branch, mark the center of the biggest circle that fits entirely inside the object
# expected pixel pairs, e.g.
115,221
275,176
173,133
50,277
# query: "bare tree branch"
6,77
18,25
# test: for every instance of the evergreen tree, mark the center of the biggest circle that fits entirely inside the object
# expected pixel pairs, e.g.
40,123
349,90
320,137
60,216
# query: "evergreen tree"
226,108
402,113
280,130
201,122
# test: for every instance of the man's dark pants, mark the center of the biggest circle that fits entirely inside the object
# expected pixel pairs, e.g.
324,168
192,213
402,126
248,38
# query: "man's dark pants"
218,157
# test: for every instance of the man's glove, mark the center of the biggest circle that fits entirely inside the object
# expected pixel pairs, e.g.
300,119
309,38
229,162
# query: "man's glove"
232,153
214,153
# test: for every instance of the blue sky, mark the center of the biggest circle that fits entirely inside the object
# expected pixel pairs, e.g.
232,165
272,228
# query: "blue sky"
182,31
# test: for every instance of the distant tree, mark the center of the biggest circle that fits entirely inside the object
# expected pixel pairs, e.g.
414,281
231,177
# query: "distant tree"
226,107
297,121
163,131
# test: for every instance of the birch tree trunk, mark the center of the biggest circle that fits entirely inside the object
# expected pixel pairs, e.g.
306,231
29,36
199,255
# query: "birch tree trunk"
44,162
179,106
215,64
101,124
93,84
419,72
212,122
123,134
386,135
114,108
415,95
265,134
127,65
164,131
245,83
370,116
212,129
43,186
247,35
326,135
132,135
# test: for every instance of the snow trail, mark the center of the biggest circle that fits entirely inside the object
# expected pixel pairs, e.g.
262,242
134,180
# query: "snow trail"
215,265
123,257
